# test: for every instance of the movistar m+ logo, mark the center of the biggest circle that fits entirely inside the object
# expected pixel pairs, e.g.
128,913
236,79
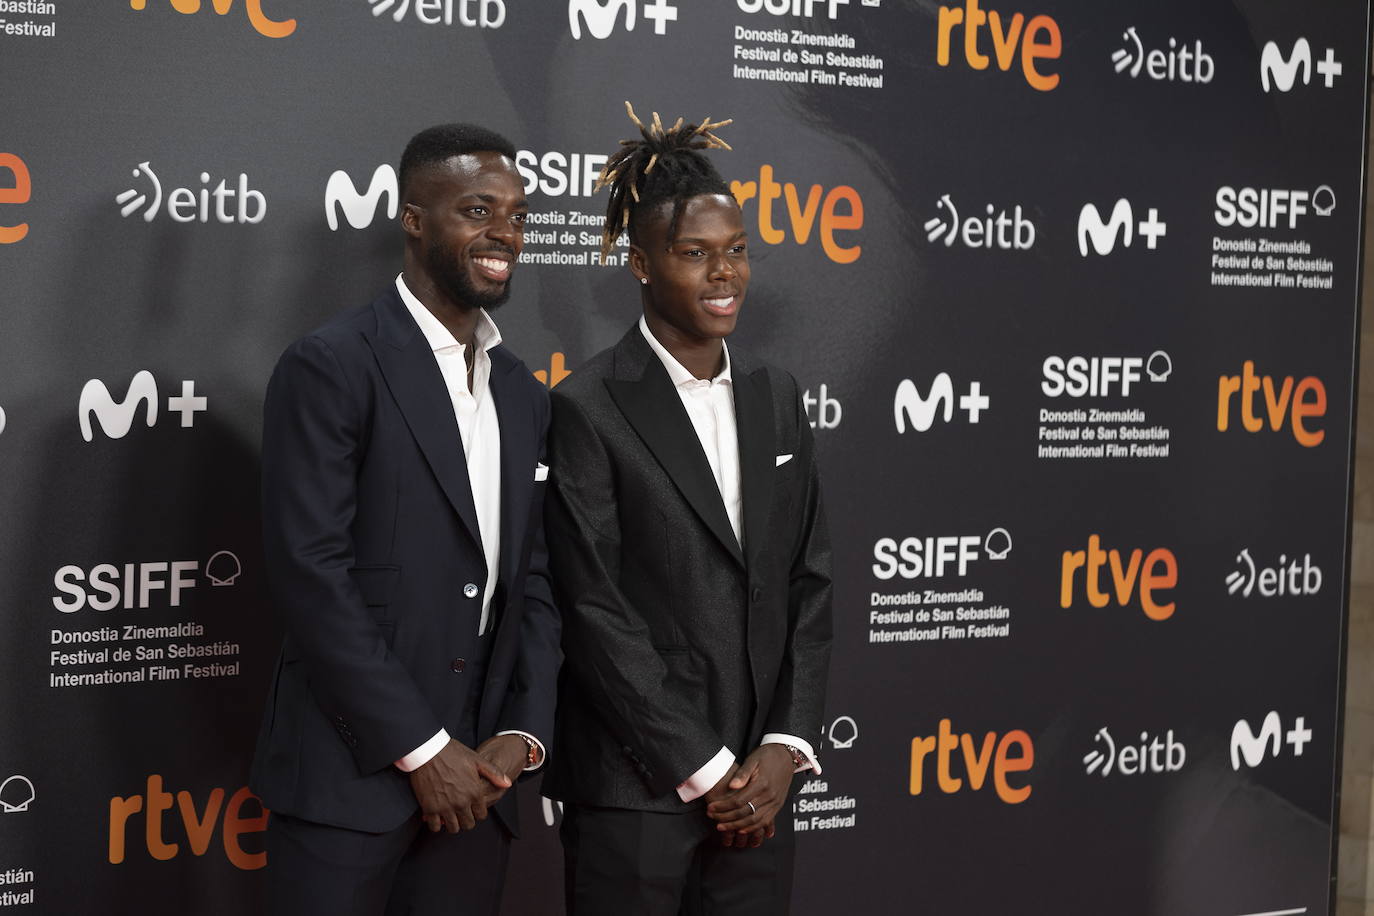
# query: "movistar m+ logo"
1281,73
1102,235
600,16
920,411
116,418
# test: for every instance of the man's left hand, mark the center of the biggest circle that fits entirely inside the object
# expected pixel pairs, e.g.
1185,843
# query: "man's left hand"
509,754
756,793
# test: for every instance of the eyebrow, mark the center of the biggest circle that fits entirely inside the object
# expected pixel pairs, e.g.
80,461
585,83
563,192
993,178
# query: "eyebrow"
685,238
491,199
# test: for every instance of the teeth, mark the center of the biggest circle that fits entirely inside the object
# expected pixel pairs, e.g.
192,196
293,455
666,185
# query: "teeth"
720,303
493,264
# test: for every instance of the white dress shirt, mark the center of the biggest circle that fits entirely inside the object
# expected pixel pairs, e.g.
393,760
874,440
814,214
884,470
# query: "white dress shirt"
475,411
710,405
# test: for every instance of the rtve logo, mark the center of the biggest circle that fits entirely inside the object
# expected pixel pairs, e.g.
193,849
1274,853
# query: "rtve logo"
1005,40
18,193
131,587
821,210
1103,235
1299,405
994,230
1141,575
1253,748
491,14
600,16
1288,578
935,557
796,7
268,28
1264,207
1184,64
1014,753
910,406
198,826
1281,73
187,206
1097,376
116,418
1152,755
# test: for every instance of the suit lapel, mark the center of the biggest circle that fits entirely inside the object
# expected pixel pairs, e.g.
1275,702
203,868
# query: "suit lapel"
754,422
646,396
408,364
518,456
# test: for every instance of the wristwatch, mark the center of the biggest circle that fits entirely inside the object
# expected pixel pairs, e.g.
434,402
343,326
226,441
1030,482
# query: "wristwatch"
532,752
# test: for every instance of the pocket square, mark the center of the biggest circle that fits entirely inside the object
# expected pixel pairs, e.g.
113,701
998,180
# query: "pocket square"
541,472
783,459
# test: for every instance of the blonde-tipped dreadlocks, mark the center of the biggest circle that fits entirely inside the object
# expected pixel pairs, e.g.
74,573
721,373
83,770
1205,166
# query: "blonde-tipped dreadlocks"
664,165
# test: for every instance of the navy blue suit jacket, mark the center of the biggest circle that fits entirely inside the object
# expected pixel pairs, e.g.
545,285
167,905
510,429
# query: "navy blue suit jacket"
371,536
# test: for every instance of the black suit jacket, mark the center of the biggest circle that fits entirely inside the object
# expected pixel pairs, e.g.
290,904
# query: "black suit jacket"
370,534
677,642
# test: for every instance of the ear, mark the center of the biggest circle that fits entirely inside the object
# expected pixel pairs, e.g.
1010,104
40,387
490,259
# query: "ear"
639,265
410,220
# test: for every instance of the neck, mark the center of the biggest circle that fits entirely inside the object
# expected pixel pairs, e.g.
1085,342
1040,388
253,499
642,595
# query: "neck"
704,358
458,318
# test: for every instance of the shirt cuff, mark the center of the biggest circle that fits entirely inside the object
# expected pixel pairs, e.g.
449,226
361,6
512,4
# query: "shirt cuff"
808,753
423,754
705,779
543,754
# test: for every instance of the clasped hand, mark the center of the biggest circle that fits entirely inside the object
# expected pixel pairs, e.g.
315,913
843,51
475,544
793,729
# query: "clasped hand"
457,786
747,799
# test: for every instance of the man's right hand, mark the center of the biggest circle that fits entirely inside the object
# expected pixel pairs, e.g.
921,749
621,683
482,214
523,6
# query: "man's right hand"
744,838
452,786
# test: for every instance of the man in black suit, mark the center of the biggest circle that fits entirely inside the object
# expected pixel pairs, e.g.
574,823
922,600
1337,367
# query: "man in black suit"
690,557
402,502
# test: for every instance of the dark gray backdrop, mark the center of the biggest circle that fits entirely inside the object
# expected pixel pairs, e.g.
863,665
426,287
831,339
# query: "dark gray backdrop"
134,784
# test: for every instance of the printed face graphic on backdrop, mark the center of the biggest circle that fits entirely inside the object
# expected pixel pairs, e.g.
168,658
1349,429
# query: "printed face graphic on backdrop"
469,216
697,280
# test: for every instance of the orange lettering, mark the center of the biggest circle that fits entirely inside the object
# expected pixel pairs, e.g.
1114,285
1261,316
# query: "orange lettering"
1004,43
1303,408
198,830
1125,583
1151,580
802,218
236,825
1005,763
121,809
19,194
1032,50
977,764
832,222
1276,408
920,747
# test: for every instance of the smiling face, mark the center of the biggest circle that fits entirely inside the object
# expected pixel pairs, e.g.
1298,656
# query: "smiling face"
466,216
698,278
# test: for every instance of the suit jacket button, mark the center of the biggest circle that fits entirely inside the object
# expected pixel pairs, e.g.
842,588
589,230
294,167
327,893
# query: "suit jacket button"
470,590
459,664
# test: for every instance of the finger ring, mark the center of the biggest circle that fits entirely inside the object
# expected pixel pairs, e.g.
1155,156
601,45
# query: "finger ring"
752,809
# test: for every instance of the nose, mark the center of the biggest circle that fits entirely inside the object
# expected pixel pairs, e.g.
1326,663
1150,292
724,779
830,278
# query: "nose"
723,268
501,229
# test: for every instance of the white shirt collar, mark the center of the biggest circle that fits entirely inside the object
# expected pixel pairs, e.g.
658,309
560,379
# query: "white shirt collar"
676,371
486,335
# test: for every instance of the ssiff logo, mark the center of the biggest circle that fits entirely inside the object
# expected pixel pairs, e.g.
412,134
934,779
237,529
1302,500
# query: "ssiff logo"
17,193
600,16
1187,64
268,28
1122,224
116,418
1252,748
1281,73
1038,40
187,206
132,586
490,14
1300,404
909,406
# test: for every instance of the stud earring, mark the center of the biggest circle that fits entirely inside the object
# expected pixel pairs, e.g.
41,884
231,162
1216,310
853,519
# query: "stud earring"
644,280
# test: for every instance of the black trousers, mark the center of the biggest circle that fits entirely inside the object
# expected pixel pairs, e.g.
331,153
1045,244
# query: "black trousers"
332,871
317,870
620,862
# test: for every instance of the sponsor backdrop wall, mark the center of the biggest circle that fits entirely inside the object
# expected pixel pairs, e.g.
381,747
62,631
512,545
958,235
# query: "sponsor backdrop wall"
1071,288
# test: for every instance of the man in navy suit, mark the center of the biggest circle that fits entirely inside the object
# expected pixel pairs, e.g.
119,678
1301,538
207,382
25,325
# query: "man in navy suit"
403,484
